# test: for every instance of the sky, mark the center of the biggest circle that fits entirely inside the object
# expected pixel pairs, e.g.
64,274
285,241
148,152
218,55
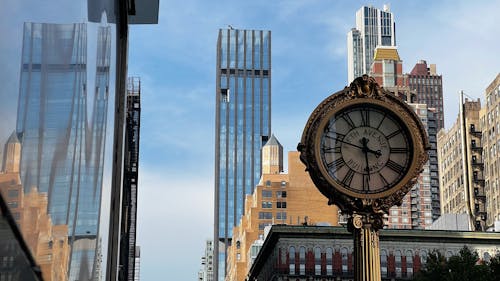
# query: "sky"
175,60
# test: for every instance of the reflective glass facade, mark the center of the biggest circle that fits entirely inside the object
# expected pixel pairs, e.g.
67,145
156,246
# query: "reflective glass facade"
61,124
243,126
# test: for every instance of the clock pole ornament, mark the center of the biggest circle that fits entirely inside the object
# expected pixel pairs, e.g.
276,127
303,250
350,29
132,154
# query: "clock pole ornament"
364,149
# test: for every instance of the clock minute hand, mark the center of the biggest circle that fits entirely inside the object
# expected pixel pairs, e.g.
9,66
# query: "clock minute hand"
348,143
377,153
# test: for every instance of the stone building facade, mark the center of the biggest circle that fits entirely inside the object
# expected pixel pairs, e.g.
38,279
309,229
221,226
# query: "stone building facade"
326,253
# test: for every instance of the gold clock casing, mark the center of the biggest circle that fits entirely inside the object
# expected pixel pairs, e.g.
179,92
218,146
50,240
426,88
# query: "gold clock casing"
366,92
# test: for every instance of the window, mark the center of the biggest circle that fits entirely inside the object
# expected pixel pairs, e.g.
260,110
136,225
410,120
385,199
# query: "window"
224,95
409,263
281,205
281,194
397,258
263,225
343,252
329,261
267,193
291,257
13,204
317,261
302,260
383,263
267,204
268,183
13,193
265,215
281,215
283,183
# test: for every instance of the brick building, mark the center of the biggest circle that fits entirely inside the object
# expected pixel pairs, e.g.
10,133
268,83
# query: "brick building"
279,198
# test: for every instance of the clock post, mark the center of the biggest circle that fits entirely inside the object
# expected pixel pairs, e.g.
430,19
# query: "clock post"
364,149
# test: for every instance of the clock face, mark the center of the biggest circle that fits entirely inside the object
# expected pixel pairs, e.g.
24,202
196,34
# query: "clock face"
365,148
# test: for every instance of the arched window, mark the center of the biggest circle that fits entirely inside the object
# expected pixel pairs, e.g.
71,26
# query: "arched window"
423,256
343,252
486,257
383,263
238,244
317,261
397,259
291,257
409,263
329,261
302,260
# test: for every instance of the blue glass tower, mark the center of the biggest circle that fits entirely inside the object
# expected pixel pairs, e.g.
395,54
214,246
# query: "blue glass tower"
62,148
243,126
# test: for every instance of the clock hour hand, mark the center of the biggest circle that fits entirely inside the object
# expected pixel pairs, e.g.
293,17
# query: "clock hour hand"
364,142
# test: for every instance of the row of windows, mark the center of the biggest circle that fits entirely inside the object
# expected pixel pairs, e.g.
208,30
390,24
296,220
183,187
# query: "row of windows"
269,204
269,194
269,215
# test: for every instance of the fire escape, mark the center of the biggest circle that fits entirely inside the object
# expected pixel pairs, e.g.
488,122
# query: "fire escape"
478,195
130,178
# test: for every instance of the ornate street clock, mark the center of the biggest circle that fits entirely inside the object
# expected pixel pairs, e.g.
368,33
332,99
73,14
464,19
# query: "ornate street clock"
364,147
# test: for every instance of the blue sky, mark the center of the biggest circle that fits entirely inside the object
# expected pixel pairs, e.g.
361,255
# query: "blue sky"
176,62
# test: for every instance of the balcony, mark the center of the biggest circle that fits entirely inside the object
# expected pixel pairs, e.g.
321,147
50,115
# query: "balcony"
479,193
475,133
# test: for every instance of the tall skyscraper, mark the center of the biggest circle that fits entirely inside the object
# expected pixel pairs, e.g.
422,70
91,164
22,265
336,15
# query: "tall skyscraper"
428,87
374,28
62,149
243,126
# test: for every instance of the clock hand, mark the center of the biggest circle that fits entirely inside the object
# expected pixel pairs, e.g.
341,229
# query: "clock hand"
377,153
364,141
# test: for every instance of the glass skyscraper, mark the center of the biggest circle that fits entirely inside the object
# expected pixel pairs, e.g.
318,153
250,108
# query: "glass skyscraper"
243,126
374,28
62,146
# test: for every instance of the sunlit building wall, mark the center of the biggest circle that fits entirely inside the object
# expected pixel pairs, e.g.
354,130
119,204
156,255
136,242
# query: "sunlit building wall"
461,169
279,198
243,126
61,124
490,127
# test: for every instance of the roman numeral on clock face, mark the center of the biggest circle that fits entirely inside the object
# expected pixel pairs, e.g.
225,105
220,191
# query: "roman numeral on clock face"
348,178
394,166
348,120
338,163
382,178
393,134
399,150
335,149
365,117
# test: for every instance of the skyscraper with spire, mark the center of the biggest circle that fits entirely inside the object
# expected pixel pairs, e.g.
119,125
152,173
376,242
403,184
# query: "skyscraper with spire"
243,126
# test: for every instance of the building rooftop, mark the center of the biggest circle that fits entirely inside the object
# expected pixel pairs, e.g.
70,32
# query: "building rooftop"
386,53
